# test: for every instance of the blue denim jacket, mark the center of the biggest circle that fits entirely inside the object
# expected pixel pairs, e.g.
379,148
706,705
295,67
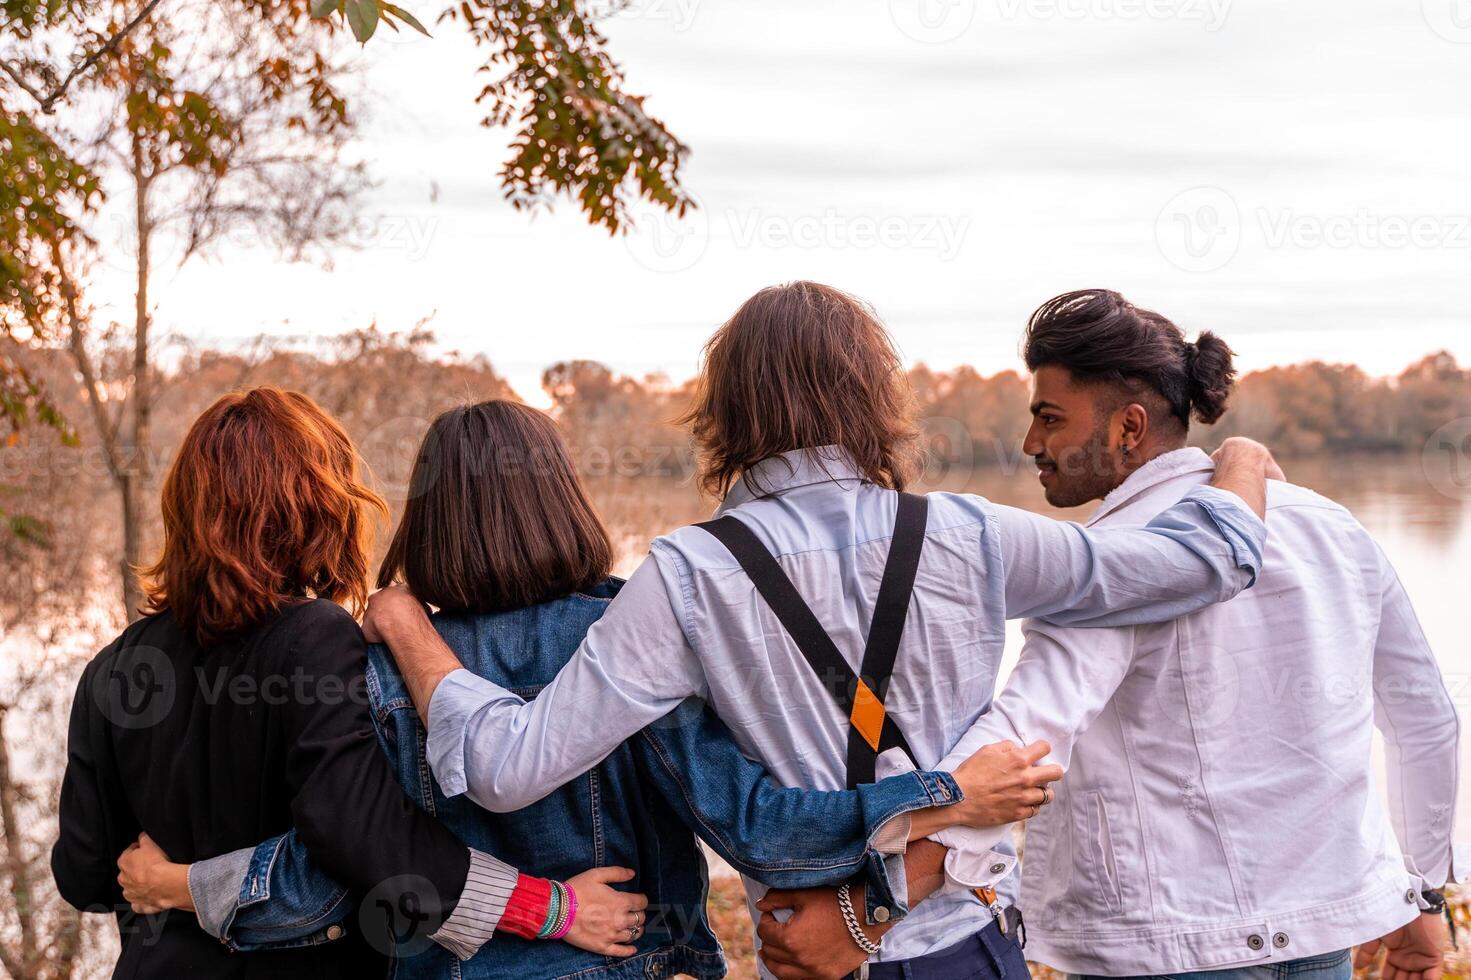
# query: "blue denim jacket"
636,809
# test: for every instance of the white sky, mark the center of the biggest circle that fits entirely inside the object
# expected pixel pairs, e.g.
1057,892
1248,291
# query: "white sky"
1289,174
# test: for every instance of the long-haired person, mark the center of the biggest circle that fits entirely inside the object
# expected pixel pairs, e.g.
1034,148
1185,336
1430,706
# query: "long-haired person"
234,712
499,534
837,624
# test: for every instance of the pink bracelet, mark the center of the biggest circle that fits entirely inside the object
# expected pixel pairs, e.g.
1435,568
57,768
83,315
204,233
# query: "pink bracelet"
571,913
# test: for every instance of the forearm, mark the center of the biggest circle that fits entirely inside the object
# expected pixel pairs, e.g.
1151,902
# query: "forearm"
1061,683
632,668
506,753
172,887
924,874
83,859
423,658
1421,737
784,837
1207,548
924,870
303,899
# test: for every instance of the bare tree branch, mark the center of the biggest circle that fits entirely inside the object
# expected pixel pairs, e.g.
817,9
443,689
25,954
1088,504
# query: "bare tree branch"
48,100
19,79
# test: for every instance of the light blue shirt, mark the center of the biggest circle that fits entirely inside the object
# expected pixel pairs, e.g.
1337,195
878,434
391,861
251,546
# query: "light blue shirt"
689,622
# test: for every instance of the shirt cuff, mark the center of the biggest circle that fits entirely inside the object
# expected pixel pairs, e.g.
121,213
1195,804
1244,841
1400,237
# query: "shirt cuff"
488,887
214,885
452,709
1458,873
1244,531
973,861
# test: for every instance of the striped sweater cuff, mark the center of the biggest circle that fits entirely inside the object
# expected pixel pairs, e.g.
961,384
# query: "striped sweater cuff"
488,887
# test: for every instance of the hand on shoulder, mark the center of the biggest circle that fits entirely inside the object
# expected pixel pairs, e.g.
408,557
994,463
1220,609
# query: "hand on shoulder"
388,610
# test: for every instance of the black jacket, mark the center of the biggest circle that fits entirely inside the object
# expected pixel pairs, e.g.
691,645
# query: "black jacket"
213,749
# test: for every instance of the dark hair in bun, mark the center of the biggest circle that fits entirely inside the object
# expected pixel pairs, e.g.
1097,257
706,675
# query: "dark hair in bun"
1100,336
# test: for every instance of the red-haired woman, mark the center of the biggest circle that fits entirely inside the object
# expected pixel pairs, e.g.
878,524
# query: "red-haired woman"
237,710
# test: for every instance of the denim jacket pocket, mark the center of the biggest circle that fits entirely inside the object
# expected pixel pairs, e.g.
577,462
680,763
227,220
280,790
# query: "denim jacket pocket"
1099,847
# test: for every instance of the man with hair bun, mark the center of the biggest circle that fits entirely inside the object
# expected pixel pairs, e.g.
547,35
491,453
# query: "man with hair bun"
1219,815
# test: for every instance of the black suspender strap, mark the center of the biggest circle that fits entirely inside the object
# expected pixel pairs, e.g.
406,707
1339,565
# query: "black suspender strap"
882,649
860,697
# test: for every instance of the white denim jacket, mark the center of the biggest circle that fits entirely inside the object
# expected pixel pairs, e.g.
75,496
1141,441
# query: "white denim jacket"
1219,807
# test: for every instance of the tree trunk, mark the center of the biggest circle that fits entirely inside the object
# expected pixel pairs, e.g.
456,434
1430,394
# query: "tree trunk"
21,960
134,482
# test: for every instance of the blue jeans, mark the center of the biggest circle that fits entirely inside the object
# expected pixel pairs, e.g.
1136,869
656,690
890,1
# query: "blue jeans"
988,955
1328,966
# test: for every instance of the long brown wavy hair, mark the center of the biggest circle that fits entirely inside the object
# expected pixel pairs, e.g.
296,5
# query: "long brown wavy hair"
803,365
262,507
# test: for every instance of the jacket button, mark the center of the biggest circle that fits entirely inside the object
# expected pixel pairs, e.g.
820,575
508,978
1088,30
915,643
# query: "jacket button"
881,914
334,932
997,868
1255,941
1410,896
1280,940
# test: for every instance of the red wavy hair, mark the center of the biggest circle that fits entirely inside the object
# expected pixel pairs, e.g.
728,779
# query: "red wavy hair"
262,507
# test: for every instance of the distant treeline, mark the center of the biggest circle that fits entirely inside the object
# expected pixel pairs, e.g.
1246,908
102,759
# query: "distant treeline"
1298,410
387,386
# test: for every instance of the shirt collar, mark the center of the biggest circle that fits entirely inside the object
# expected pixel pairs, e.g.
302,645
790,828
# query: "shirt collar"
788,471
1165,467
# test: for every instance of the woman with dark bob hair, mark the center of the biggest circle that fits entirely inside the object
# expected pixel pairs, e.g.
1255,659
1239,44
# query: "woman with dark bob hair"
499,535
235,710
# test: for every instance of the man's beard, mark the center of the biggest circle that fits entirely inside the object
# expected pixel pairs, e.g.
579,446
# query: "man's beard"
1086,474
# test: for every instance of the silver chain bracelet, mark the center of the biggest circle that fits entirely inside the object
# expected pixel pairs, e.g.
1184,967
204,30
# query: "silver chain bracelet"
861,940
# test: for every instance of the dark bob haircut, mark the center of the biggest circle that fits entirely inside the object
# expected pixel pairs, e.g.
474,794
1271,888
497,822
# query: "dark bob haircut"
1101,337
496,516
